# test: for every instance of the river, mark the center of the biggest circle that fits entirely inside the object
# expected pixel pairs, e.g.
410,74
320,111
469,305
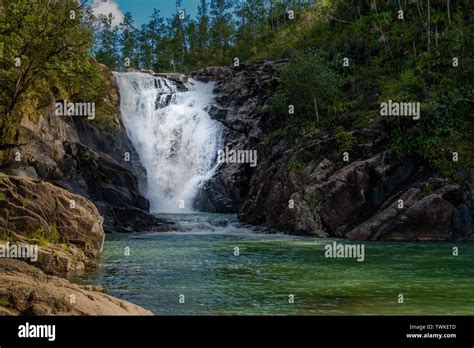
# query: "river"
199,262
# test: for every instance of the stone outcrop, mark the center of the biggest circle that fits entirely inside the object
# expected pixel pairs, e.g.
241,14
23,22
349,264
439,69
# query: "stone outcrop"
212,73
416,215
26,290
67,227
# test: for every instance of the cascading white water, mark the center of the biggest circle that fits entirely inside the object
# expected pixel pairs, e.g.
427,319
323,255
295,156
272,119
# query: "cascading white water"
174,135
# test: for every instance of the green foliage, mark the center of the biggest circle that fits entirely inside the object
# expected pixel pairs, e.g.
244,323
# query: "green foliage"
54,234
107,37
5,302
4,236
389,59
427,190
25,202
298,164
345,140
45,238
39,235
311,86
444,126
52,41
223,30
312,201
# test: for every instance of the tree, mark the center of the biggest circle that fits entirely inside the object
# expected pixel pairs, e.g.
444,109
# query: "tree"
176,40
40,39
107,42
192,35
311,86
145,48
156,30
252,16
203,23
128,41
222,28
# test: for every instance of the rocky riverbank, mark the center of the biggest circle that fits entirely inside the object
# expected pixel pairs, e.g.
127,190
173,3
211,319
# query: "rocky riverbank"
67,231
307,188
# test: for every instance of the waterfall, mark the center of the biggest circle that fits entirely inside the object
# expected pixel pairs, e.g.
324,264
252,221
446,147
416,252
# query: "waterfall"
175,137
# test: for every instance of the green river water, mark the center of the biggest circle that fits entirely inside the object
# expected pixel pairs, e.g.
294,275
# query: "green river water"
198,261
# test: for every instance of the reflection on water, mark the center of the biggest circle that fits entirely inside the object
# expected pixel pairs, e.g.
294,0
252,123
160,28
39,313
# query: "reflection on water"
199,262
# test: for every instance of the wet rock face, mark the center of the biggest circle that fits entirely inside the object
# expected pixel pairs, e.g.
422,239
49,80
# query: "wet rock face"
422,218
240,94
373,199
112,187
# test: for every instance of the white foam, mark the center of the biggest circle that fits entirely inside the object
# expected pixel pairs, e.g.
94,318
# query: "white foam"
177,143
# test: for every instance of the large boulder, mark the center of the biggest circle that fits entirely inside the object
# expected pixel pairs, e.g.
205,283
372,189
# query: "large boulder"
67,227
411,217
302,218
419,215
66,231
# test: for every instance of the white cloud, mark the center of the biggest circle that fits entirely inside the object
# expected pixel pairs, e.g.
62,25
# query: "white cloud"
100,7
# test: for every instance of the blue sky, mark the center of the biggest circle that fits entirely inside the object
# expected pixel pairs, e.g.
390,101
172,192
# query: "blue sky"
142,9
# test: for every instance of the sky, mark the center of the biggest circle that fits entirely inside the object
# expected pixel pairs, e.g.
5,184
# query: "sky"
142,9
